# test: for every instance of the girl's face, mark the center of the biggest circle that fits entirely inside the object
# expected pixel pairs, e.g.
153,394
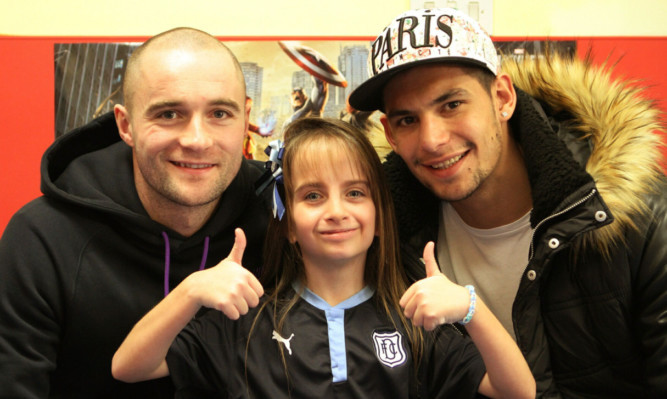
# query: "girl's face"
332,210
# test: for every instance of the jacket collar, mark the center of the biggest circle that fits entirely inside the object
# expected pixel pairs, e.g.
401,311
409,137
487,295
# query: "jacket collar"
608,124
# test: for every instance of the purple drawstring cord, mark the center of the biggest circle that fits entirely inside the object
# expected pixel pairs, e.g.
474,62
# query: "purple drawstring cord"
166,263
167,257
204,255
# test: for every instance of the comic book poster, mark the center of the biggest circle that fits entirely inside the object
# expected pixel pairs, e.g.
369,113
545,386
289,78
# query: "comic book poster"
284,80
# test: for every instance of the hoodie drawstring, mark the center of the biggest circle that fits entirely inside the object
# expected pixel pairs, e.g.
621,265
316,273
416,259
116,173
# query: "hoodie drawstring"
167,258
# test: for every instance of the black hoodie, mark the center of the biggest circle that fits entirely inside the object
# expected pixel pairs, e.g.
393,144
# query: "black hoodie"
82,264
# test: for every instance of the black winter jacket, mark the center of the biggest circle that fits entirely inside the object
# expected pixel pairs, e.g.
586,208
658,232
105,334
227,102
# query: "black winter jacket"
84,262
590,314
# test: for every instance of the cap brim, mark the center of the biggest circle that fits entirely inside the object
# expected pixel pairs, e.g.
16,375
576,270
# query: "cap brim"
368,95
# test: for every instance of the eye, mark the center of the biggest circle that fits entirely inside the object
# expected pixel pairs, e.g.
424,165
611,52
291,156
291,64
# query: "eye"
453,104
356,193
312,196
405,121
219,114
168,115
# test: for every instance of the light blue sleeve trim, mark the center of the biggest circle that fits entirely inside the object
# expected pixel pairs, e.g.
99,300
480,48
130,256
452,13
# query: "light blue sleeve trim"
336,325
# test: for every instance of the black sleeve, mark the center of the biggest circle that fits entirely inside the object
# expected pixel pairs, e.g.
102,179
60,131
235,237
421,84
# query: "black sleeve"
650,296
200,357
452,367
30,310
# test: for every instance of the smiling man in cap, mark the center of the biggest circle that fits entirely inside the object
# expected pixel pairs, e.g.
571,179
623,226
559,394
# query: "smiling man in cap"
539,182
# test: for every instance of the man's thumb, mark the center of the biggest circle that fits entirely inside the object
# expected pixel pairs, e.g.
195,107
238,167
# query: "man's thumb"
431,265
236,254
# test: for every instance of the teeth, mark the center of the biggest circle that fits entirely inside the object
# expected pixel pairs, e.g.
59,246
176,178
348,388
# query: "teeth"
447,163
192,165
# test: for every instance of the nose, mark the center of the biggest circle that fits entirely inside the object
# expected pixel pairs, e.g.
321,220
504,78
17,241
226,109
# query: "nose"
195,134
335,209
434,133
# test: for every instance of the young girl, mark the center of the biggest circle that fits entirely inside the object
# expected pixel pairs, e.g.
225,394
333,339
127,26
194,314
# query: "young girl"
334,322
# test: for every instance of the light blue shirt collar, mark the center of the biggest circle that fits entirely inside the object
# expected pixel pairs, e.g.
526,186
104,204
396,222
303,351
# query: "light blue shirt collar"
312,298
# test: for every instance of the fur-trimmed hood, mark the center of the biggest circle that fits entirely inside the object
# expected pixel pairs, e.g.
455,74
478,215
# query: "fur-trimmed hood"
622,129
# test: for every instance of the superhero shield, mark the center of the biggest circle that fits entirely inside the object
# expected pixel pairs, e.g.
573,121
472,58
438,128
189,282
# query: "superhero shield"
313,62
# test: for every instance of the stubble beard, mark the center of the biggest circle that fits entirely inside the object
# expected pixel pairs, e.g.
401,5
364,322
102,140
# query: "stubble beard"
170,191
167,192
478,177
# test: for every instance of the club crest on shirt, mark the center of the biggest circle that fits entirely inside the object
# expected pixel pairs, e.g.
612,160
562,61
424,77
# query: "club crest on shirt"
389,348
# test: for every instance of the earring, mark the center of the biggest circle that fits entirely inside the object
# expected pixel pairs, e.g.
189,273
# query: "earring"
504,114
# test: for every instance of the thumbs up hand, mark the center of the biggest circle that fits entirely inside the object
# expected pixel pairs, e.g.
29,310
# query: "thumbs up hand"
434,300
228,287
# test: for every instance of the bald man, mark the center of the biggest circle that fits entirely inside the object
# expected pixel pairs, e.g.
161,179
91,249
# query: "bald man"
133,203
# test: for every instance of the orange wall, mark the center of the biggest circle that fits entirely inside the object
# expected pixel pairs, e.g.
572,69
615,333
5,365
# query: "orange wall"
27,101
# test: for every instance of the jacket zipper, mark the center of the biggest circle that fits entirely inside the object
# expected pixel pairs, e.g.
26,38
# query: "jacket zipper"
576,204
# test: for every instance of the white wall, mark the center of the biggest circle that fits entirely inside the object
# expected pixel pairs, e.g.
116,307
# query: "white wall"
364,18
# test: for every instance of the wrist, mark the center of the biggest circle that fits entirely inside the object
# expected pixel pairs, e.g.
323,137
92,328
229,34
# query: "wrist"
189,291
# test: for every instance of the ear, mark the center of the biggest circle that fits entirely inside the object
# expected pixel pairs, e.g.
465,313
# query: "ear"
248,108
387,132
291,237
505,96
123,123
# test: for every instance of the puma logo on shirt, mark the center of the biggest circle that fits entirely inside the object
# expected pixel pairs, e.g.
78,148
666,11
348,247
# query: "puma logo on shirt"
285,342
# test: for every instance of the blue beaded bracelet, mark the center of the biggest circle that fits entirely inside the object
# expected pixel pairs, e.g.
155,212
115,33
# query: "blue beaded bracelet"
473,304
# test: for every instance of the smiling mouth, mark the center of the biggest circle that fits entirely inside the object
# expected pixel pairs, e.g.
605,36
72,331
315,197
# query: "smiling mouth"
448,163
193,165
331,232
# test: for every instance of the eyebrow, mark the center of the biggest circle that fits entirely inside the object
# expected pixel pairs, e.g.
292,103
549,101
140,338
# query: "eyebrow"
442,98
161,105
448,95
316,184
234,105
227,103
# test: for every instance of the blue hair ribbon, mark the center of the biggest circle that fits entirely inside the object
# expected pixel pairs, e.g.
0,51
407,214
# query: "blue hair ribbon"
273,174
